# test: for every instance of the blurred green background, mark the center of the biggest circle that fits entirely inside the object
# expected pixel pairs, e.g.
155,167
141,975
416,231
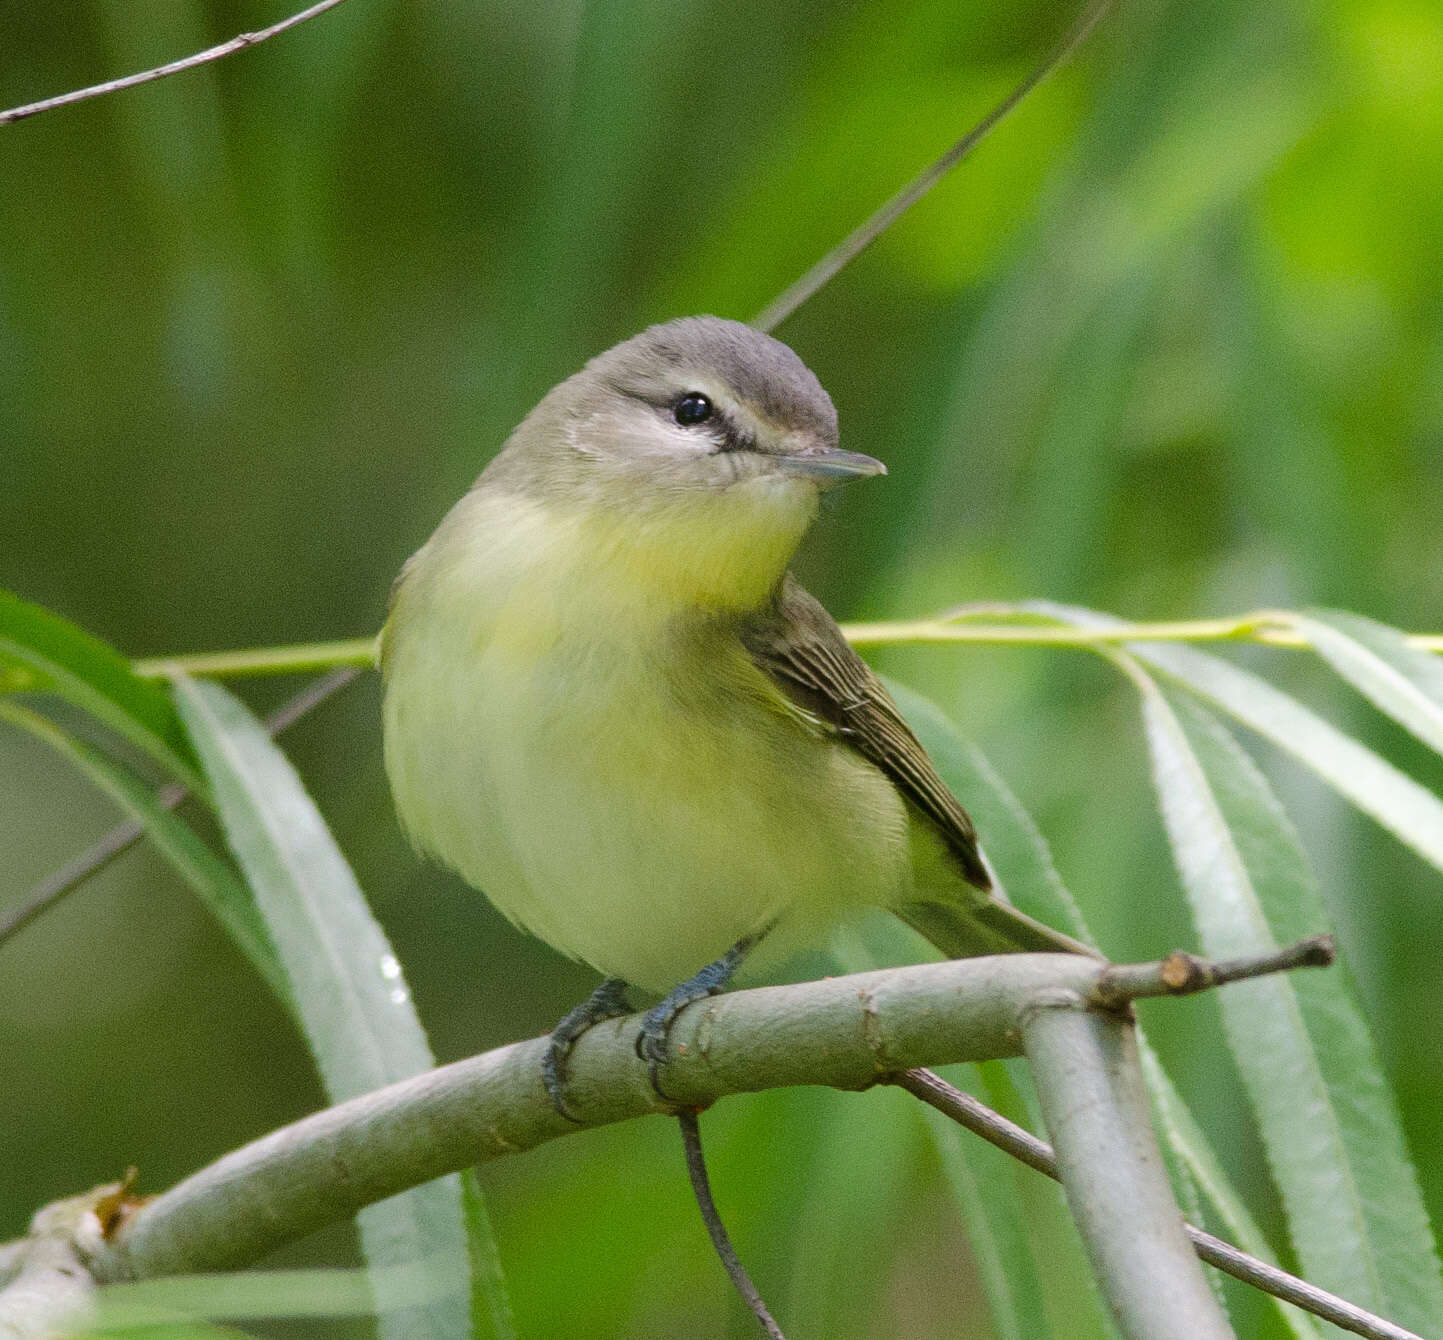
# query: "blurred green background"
1170,345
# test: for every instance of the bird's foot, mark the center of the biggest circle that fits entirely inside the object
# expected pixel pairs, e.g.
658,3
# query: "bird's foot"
653,1042
608,1001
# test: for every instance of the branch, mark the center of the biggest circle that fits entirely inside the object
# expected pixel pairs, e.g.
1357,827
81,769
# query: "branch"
1027,1148
1094,1102
124,836
857,241
238,43
845,1032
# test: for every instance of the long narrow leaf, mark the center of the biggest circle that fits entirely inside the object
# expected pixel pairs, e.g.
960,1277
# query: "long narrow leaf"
990,1203
351,1000
1014,847
1399,679
1008,1243
1021,856
227,898
491,1315
1194,1152
1409,811
42,653
1316,1085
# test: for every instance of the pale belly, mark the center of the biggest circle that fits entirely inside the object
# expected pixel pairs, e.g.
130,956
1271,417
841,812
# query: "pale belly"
631,822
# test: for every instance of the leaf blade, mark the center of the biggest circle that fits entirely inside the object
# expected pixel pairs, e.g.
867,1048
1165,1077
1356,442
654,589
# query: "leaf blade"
1408,810
224,895
1397,678
1014,846
351,999
1020,853
41,652
1354,1207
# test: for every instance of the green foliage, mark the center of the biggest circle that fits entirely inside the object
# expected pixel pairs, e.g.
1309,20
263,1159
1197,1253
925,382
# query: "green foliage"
42,653
1168,346
1302,1047
215,882
351,1002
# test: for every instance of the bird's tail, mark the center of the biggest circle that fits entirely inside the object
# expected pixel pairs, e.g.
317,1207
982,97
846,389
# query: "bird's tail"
988,925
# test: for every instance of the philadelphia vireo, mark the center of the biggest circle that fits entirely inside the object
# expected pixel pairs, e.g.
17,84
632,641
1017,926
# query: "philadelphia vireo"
610,706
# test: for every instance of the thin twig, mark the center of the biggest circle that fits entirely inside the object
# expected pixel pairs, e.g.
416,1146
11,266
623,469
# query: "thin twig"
1262,629
296,659
122,837
731,1262
1022,1145
238,43
851,246
1181,973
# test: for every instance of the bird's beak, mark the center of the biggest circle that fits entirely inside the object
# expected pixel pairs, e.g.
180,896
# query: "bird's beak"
831,467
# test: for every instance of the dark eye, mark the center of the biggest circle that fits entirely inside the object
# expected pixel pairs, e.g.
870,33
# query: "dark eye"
692,408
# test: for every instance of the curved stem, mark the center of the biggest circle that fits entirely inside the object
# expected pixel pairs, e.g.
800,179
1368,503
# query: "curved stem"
1268,629
1022,1145
716,1230
297,659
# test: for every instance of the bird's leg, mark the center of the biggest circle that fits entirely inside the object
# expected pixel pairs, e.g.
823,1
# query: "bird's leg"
606,1002
651,1042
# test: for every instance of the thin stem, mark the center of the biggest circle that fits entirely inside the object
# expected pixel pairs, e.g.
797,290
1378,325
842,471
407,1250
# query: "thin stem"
1267,630
238,43
1181,973
299,658
731,1262
1022,1145
857,241
1247,628
122,837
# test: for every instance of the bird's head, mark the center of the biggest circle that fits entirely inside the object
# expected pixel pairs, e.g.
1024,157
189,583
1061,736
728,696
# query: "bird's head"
697,449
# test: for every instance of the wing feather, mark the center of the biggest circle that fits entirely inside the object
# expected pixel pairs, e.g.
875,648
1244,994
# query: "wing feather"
799,645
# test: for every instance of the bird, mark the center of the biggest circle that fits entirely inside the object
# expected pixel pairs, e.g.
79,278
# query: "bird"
610,705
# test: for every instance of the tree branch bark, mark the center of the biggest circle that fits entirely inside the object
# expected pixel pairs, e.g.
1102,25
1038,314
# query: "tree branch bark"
1068,1013
1094,1101
846,1033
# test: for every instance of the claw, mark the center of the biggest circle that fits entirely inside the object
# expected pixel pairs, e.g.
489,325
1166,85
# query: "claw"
653,1043
606,1002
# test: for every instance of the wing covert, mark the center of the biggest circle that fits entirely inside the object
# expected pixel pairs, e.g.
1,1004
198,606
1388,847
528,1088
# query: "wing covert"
800,646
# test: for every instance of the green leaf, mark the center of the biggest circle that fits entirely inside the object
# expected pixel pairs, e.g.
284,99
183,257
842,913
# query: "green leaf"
1194,1152
1315,1082
837,1209
491,1315
42,653
351,1000
227,898
1014,847
1014,1221
250,1295
1020,854
1411,812
1026,1250
1401,680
